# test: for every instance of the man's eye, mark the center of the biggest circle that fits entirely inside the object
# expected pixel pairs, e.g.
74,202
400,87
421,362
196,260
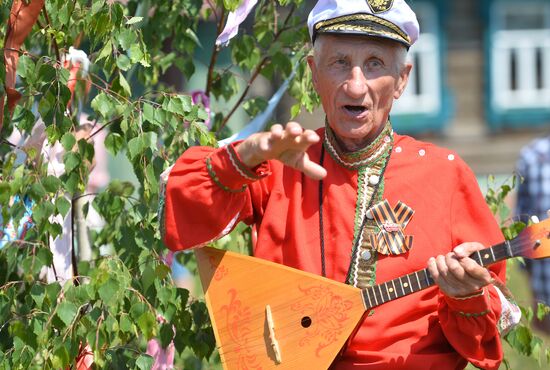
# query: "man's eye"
340,62
375,63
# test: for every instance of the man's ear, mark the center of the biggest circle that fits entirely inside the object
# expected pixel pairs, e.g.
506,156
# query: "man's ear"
313,68
402,80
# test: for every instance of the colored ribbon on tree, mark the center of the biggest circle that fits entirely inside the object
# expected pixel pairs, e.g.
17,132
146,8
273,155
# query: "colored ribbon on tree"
23,16
234,20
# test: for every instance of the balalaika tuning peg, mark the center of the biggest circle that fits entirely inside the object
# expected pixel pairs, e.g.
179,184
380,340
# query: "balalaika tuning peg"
535,219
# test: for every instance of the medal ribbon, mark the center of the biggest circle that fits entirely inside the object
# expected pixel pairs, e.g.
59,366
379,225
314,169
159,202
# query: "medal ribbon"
391,239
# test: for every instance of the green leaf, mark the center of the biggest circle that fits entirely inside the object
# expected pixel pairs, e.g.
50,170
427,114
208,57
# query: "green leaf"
97,5
124,84
231,4
147,324
24,118
149,114
63,205
105,51
255,106
193,36
45,256
134,20
145,362
52,291
137,310
162,271
179,104
295,110
123,62
37,191
86,150
63,14
38,293
127,38
25,66
4,192
121,188
125,324
542,311
103,104
520,339
147,277
150,140
136,54
114,143
135,147
109,290
46,73
66,311
166,334
80,294
60,358
68,141
51,184
71,160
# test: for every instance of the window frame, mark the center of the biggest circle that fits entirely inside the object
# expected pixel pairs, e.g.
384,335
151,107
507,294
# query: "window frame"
524,104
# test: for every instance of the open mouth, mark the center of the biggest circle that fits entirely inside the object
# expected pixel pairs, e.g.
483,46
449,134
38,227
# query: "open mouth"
355,110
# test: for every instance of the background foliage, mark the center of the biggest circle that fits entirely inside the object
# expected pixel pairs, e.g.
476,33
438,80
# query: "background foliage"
115,299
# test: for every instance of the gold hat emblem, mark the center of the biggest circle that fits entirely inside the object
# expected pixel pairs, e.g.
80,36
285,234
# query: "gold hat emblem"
379,6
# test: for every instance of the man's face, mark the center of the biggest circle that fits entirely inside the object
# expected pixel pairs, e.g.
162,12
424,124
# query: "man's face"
357,79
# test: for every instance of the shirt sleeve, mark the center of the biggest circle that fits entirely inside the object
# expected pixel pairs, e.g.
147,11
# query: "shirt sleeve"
470,325
206,194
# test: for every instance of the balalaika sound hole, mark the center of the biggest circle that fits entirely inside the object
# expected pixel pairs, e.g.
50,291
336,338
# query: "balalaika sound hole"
306,321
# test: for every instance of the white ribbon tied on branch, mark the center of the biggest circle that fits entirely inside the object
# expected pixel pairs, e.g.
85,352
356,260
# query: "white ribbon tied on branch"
234,20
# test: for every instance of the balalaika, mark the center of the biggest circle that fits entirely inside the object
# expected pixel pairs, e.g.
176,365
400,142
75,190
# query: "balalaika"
269,316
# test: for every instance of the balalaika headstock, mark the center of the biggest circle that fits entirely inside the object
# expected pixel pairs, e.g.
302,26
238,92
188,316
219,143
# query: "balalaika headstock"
534,241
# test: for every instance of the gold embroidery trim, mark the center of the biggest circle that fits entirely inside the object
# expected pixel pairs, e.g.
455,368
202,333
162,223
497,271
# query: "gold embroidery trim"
363,17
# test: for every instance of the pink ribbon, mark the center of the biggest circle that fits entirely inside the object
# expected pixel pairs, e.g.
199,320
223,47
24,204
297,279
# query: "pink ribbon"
234,19
164,357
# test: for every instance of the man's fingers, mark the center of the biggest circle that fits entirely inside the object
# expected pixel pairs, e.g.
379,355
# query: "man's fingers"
287,144
312,169
457,276
475,271
456,271
277,131
293,129
465,249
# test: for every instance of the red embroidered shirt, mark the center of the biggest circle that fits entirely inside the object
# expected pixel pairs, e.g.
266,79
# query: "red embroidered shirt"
206,196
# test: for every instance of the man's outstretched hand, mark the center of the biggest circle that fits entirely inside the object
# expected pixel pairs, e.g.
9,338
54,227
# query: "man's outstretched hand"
287,145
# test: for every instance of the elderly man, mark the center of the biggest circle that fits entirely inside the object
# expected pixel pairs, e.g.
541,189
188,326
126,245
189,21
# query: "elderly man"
320,199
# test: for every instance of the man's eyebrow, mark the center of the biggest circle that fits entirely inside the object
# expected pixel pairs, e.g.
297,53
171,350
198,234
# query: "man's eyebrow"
338,54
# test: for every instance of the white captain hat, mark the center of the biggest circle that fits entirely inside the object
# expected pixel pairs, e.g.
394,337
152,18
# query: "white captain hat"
391,19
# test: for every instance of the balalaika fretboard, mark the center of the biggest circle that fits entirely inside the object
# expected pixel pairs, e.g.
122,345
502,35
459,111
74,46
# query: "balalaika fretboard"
419,280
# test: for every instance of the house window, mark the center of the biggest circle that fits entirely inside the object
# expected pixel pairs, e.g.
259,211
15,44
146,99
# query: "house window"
520,56
423,92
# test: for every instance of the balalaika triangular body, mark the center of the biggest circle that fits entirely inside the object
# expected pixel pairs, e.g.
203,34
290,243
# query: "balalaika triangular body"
267,315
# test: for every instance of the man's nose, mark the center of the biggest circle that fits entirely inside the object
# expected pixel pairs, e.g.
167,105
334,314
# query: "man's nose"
356,85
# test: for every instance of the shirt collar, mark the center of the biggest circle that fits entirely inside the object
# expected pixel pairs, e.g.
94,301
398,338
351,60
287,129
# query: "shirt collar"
375,151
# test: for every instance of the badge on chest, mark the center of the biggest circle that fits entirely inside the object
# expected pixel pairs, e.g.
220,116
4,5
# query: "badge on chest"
391,239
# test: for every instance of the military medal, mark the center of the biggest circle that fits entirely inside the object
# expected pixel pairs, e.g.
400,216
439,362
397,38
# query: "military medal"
391,240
